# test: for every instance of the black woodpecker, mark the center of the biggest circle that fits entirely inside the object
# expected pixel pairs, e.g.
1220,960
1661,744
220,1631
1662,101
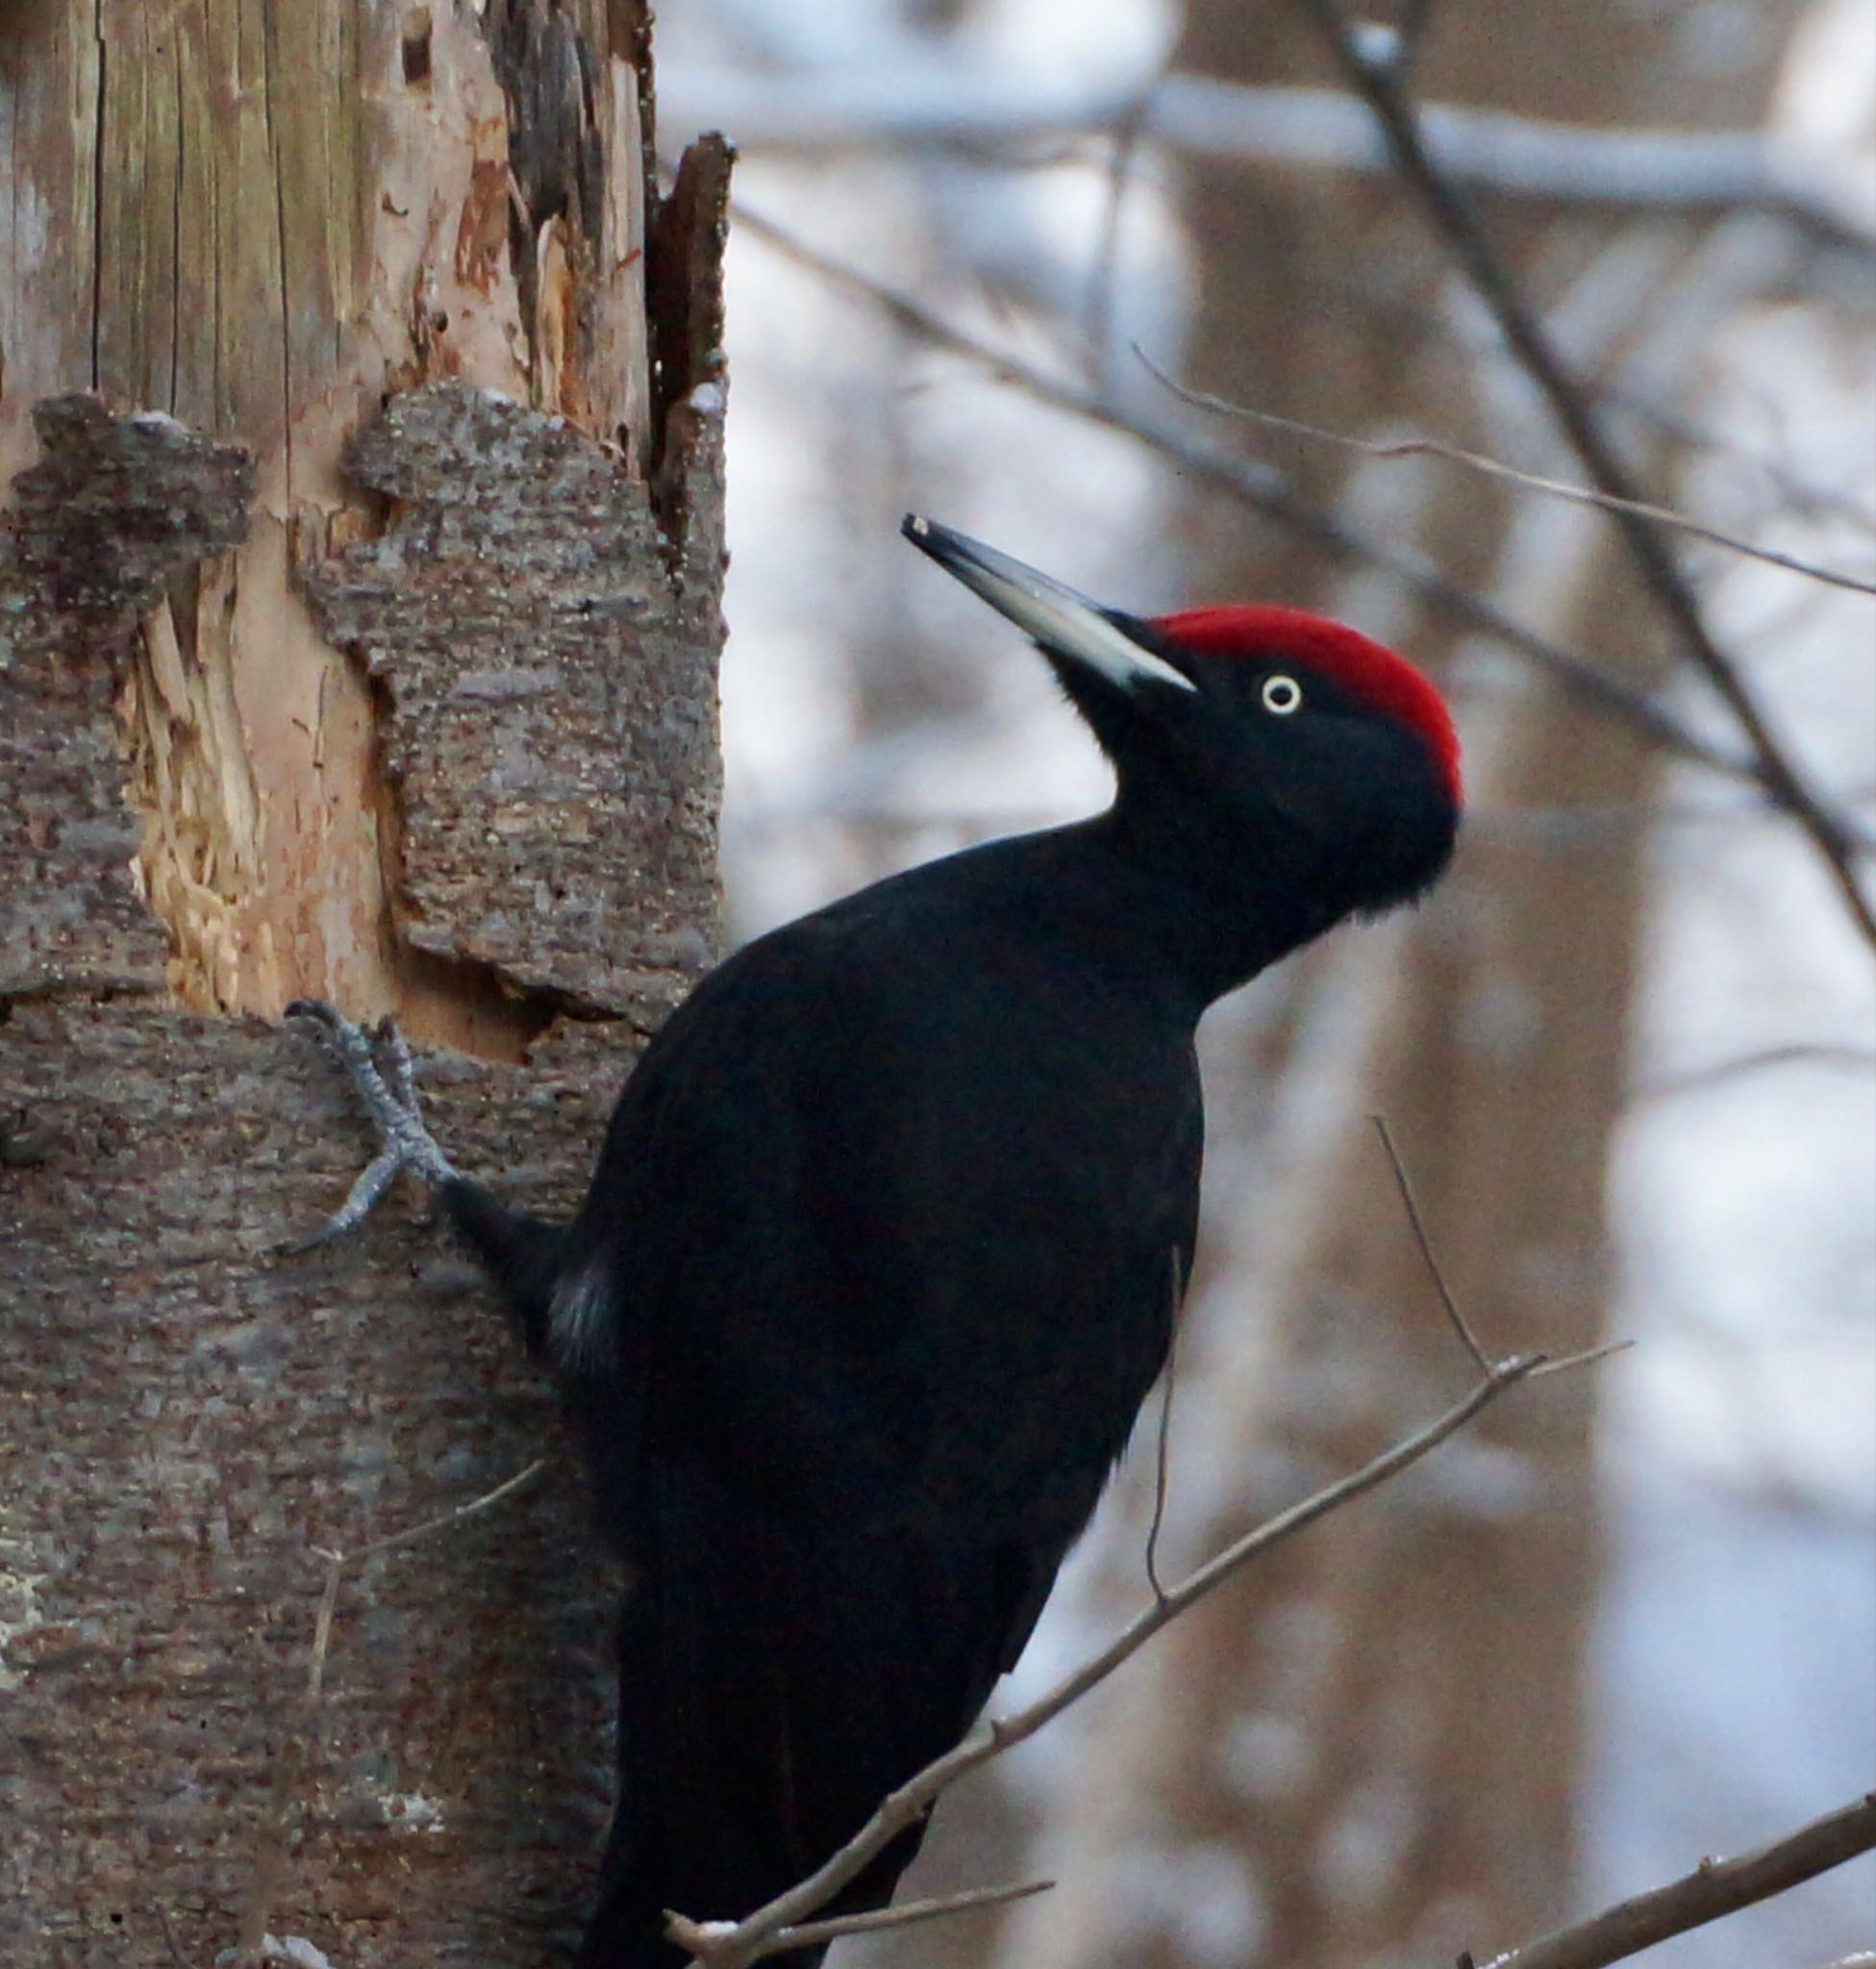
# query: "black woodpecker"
883,1248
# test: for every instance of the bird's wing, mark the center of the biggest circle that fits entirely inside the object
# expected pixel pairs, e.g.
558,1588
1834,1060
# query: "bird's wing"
778,1680
882,1327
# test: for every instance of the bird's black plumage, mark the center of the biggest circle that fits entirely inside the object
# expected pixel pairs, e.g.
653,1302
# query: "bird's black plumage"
884,1246
900,1190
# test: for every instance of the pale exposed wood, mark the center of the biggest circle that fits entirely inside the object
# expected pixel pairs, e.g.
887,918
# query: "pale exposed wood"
48,234
272,255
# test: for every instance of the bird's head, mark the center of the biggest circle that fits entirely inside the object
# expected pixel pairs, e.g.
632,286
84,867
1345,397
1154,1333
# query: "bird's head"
1314,760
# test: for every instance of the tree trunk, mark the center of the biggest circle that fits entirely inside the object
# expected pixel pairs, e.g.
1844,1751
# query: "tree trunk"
359,611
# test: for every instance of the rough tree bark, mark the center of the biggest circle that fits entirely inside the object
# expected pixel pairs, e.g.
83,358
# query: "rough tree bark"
360,400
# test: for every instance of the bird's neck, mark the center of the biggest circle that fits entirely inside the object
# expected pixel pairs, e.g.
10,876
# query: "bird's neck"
1135,897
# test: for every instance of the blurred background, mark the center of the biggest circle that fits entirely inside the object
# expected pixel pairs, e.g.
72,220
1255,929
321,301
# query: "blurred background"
1628,1051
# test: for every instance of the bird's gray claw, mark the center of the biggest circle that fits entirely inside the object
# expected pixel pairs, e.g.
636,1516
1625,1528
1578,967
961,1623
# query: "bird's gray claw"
406,1143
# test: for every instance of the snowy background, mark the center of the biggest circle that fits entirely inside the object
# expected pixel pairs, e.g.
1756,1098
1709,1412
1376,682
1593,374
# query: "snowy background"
874,716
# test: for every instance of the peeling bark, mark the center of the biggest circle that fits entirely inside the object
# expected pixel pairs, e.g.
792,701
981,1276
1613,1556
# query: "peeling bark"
115,511
550,767
359,612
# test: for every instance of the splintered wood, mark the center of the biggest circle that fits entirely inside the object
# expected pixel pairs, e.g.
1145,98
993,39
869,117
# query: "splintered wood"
288,268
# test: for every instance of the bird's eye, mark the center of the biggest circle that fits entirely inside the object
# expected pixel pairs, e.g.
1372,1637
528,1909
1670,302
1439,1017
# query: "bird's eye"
1282,695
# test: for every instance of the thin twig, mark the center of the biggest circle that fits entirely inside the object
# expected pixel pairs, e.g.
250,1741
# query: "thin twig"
1468,1338
338,1561
1589,1357
1162,1450
442,1523
271,1852
1493,468
1713,1889
1104,286
169,1937
735,1947
1457,223
704,1938
316,1672
1265,490
1481,345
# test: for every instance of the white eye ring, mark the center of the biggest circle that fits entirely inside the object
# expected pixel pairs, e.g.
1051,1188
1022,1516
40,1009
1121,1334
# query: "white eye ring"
1282,695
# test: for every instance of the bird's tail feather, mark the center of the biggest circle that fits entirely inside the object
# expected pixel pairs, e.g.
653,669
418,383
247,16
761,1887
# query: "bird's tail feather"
521,1253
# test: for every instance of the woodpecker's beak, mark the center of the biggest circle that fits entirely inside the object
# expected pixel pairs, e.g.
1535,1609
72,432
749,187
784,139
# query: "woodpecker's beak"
1063,622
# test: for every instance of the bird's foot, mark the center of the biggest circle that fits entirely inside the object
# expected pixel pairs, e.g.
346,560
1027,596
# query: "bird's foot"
392,1104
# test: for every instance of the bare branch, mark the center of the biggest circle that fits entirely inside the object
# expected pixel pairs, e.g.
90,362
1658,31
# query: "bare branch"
1265,490
338,1561
930,102
1122,152
269,1863
429,1526
1713,1889
1417,1224
1700,1078
1618,396
706,1939
316,1668
1458,225
735,1946
1162,1448
1472,460
1589,1357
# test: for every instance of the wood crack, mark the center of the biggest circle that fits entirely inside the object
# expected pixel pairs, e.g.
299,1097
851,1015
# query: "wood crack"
269,52
97,192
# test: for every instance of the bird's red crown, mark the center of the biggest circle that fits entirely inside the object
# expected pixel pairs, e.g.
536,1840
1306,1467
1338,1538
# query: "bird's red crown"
1367,670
